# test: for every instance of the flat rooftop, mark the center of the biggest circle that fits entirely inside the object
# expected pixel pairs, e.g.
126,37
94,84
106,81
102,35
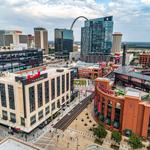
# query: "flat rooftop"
5,76
129,71
15,144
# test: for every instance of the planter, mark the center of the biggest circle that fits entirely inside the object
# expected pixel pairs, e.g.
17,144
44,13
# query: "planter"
115,147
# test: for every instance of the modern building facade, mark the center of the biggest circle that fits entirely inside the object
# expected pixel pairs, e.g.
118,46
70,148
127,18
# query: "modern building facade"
33,97
12,39
116,45
96,39
41,39
16,60
63,43
124,104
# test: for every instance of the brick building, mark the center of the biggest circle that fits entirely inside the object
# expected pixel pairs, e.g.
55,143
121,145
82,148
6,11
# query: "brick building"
126,109
144,59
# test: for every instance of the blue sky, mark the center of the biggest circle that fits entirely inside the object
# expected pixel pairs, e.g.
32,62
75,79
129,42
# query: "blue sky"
131,17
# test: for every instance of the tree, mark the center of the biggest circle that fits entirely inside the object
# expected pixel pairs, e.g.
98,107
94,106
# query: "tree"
148,147
116,136
100,132
135,141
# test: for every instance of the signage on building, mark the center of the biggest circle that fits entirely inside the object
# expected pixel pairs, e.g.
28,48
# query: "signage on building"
105,90
33,77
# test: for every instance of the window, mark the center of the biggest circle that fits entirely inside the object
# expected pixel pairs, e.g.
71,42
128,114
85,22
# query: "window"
53,88
63,99
32,98
63,83
47,110
46,92
22,121
3,95
67,97
32,120
11,97
58,103
4,115
67,81
13,117
40,114
40,94
53,106
58,86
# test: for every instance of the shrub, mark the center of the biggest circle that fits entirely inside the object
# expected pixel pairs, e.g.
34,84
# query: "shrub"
116,136
135,141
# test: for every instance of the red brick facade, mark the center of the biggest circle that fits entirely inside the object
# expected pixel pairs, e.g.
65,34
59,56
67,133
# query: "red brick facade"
121,112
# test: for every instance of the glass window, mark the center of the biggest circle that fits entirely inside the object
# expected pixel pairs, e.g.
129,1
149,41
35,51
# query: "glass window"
63,83
67,81
53,88
22,121
53,106
58,86
11,97
32,98
4,115
40,94
33,120
3,95
40,114
47,110
58,103
63,99
13,117
46,92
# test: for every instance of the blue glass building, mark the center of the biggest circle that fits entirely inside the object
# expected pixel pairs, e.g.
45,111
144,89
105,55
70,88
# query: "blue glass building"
96,39
63,43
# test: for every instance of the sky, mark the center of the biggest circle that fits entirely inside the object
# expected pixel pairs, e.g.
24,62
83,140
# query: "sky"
131,17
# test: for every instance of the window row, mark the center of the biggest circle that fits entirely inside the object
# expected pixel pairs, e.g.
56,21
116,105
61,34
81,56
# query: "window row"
46,90
10,96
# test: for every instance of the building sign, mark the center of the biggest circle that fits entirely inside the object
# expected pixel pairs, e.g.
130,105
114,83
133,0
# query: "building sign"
33,77
105,90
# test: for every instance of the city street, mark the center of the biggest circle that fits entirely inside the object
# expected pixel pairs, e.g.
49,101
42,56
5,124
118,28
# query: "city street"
66,120
75,107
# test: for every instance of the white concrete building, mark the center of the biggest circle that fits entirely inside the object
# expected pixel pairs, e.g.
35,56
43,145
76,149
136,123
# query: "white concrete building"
32,97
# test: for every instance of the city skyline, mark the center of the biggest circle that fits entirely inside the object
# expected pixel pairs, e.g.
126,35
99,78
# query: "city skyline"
129,16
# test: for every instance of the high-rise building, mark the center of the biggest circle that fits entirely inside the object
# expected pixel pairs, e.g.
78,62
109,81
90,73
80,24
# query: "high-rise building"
30,41
34,97
63,43
116,46
96,39
41,39
13,39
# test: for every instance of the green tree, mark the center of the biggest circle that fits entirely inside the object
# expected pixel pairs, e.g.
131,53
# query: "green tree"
100,132
148,147
135,141
116,136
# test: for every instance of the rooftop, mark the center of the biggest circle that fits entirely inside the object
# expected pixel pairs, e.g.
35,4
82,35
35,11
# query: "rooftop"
15,144
129,71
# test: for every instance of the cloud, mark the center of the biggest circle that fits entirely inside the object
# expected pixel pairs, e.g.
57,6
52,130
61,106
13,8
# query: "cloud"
129,15
146,2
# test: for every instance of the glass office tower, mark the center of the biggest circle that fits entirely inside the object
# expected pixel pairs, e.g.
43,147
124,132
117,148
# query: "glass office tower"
63,43
96,39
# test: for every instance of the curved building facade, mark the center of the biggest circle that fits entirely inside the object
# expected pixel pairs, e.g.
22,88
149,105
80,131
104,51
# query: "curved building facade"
127,112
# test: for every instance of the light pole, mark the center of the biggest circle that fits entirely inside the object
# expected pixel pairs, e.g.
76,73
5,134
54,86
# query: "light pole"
77,148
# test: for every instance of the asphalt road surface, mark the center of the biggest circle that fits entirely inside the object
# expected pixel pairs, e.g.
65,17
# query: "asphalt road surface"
67,120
